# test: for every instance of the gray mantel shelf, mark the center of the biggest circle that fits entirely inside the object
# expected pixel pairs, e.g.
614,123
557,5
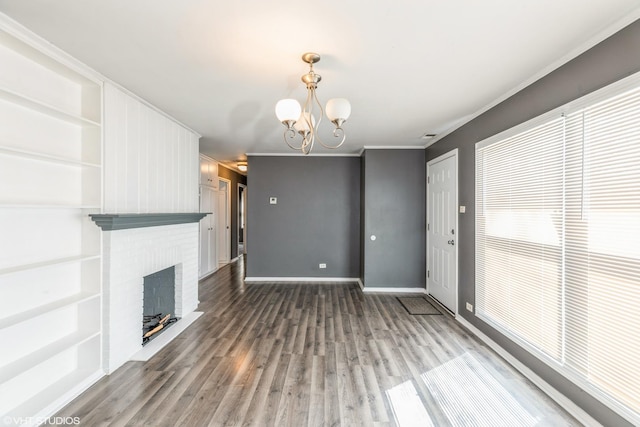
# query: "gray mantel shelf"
112,222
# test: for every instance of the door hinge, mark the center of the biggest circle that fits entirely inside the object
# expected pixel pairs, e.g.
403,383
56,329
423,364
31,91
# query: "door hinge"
428,180
427,227
428,274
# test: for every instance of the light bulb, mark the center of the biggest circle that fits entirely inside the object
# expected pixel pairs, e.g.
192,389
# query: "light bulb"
288,110
338,108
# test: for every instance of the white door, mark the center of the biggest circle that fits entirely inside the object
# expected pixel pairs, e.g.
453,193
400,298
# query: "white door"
224,228
208,257
442,233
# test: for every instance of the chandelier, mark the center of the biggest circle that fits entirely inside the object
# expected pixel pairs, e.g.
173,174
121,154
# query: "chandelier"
302,120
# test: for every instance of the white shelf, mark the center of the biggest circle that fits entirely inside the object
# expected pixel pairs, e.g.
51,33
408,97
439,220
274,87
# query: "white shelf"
41,107
45,157
51,156
15,368
76,381
47,308
49,263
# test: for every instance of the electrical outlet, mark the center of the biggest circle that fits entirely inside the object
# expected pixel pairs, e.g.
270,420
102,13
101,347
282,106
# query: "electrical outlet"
322,265
470,307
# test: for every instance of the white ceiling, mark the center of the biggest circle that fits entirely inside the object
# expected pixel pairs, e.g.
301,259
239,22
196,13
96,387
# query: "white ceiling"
409,67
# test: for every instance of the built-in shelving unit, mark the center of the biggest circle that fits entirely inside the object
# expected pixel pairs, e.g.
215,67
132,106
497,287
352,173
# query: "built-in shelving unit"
50,254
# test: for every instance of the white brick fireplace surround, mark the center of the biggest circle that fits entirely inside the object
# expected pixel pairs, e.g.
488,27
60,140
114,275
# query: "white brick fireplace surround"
129,255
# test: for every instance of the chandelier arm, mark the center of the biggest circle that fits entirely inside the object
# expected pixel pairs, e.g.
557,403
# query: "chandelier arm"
317,101
307,116
338,132
290,133
306,148
307,143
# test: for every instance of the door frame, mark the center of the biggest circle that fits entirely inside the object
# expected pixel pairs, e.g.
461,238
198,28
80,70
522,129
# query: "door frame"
244,206
453,153
227,216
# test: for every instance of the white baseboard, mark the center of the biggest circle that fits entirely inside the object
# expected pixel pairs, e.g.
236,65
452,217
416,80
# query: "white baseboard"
50,410
394,290
301,279
562,400
155,345
360,284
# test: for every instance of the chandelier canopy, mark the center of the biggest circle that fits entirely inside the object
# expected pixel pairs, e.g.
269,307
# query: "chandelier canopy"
302,120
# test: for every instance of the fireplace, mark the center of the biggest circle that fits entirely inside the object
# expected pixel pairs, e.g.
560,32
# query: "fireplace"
136,246
159,303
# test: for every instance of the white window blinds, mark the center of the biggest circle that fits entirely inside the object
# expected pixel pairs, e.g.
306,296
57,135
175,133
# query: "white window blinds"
558,244
519,235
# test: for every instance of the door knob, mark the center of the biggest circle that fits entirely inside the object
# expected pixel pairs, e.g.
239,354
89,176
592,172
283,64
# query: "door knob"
450,242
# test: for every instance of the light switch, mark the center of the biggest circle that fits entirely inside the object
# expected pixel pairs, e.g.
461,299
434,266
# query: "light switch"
463,209
273,200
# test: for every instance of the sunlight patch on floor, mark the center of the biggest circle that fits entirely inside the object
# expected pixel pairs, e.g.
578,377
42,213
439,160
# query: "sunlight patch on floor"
408,409
469,395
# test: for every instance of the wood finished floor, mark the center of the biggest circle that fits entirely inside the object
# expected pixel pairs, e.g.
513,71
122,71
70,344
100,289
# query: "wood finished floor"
298,355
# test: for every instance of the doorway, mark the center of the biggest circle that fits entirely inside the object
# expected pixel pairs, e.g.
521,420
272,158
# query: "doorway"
442,230
223,221
242,219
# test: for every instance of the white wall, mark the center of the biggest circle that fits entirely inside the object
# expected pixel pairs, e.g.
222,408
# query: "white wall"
150,161
151,165
129,255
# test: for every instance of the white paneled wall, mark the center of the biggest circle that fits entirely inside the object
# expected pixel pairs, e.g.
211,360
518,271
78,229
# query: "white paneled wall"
150,162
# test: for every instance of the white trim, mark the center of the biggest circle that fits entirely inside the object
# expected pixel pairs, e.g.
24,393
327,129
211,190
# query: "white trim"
67,398
301,279
558,397
592,42
227,214
361,284
623,85
372,290
444,156
298,154
154,346
389,147
393,147
238,224
207,157
453,153
28,37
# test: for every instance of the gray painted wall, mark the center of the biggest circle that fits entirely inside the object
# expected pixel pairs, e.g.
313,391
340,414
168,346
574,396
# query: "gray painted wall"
316,220
394,211
609,61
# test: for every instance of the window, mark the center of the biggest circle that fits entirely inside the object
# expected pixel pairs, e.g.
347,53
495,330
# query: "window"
558,243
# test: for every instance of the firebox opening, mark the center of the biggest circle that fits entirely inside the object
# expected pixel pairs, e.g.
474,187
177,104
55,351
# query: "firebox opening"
159,303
